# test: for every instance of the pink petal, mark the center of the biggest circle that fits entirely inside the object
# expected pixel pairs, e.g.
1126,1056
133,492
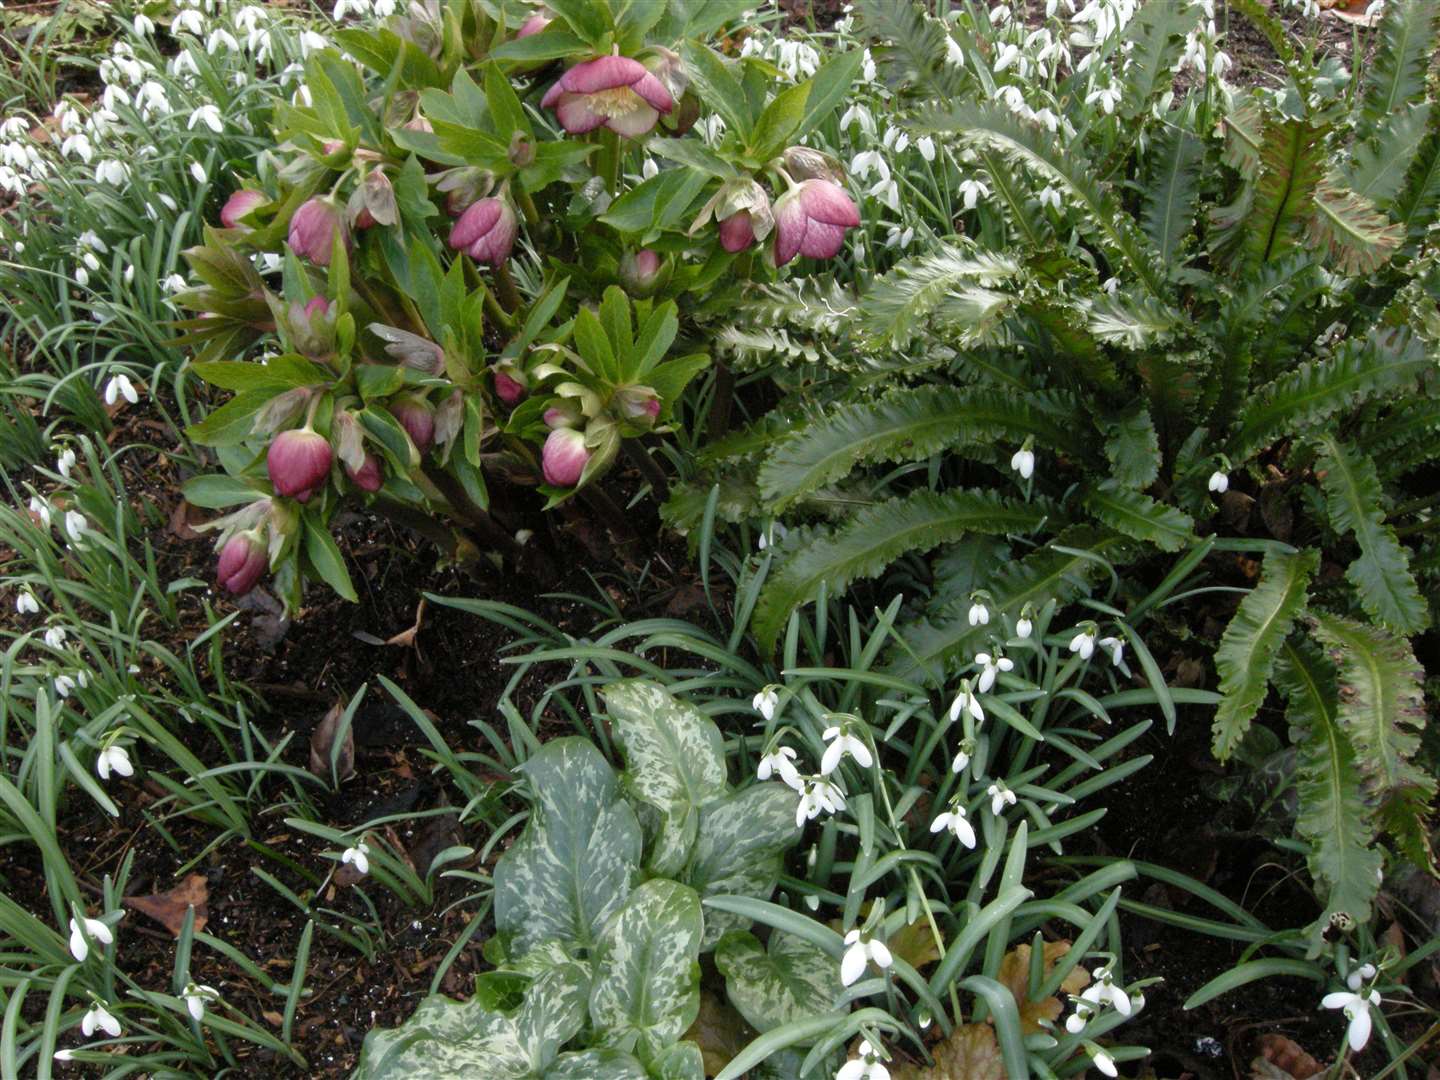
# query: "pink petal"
828,203
822,241
477,220
603,73
635,123
653,91
575,115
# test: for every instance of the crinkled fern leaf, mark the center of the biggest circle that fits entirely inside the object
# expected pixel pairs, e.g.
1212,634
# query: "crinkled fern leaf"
1139,516
1133,448
1358,238
1171,189
1156,37
1396,75
1292,162
949,286
1378,166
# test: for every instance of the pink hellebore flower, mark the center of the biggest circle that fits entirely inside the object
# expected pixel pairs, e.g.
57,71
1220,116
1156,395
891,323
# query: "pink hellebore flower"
298,462
313,228
317,305
238,205
509,389
418,420
242,562
737,232
486,231
811,219
534,24
612,91
564,456
368,477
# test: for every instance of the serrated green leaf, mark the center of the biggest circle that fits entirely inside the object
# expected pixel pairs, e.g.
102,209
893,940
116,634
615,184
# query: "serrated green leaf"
950,287
647,972
1141,517
738,850
1133,448
1251,642
573,866
1171,189
793,980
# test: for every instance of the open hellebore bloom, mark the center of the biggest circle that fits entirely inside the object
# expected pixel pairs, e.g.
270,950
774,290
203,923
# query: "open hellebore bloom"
418,420
240,204
859,952
563,457
811,219
610,91
313,229
486,231
299,463
80,939
243,561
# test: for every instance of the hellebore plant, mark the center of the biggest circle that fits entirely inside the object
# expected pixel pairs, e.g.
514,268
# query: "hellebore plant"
441,292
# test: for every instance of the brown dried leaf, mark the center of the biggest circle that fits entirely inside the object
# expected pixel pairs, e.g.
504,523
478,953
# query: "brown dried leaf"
915,944
970,1053
322,745
720,1032
1286,1059
169,908
1014,975
406,638
182,518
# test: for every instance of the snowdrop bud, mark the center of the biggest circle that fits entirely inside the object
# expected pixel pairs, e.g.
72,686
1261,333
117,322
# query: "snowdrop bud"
765,702
26,604
196,998
564,457
979,615
1024,627
926,145
1219,483
120,386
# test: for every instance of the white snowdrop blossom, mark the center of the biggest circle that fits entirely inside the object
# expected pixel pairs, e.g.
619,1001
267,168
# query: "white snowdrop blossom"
860,951
1115,647
858,114
867,1066
1083,643
780,762
955,820
65,462
1102,990
962,757
766,702
1361,975
1219,483
1023,462
1050,197
98,1018
1000,797
26,604
966,702
143,25
842,743
926,145
1107,96
76,526
772,535
1356,1007
971,191
196,997
816,795
64,685
187,19
990,668
114,759
1103,1061
112,172
174,283
358,857
209,115
83,932
55,637
979,614
120,386
1024,627
220,38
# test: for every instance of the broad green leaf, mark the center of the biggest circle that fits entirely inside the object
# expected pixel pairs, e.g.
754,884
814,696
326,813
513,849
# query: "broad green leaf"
793,979
1141,517
1251,642
230,424
1171,190
674,753
281,373
779,122
717,87
738,850
647,972
598,1064
573,866
324,555
217,491
829,89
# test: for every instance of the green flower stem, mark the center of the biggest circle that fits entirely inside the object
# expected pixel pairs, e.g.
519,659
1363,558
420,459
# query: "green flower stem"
649,469
509,295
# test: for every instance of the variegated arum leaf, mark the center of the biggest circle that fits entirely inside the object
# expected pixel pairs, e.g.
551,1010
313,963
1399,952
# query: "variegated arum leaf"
793,979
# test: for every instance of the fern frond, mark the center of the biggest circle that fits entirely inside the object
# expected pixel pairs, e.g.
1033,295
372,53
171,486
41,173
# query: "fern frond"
990,127
949,286
1133,448
1382,710
943,640
1419,200
1244,132
1396,75
1382,362
1156,37
1333,816
1134,322
1250,644
1403,440
1172,188
1139,516
1378,166
912,47
874,538
1358,238
1292,162
1381,574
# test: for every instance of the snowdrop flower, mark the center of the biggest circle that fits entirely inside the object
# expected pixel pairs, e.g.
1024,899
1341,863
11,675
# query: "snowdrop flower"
991,668
26,604
209,115
955,820
310,42
1115,647
859,952
1023,462
979,614
197,997
1024,627
114,758
143,25
780,762
75,526
1110,285
55,637
221,38
775,534
1103,989
1076,1021
842,743
1050,197
1362,974
954,55
926,145
82,932
357,857
897,237
815,796
40,510
174,283
65,462
962,756
649,169
64,685
1083,643
867,1066
120,386
1103,1061
78,145
188,19
1375,10
1357,1008
766,702
98,1018
114,173
971,190
82,276
1107,96
858,114
867,162
1010,56
1000,797
1219,483
966,702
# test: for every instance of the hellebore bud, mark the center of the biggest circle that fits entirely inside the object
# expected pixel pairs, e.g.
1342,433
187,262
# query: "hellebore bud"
563,414
486,231
682,118
563,457
314,227
240,204
811,220
368,477
378,200
737,232
311,326
643,273
462,186
522,150
534,24
298,462
639,405
508,388
418,420
411,350
242,563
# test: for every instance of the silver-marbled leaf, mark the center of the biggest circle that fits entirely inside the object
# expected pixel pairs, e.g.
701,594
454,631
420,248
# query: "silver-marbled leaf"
683,1061
600,1064
674,753
793,980
573,866
738,850
646,991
